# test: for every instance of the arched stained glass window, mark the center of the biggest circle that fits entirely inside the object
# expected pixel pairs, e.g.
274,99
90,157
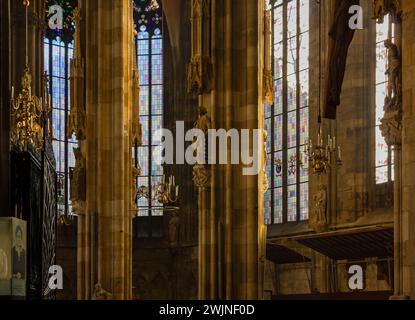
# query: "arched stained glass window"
148,20
287,120
384,154
58,51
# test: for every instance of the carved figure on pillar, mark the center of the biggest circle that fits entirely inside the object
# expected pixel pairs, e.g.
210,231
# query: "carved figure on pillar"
78,182
318,220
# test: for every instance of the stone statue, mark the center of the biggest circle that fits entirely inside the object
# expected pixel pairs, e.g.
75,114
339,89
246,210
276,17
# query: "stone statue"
341,37
174,224
100,293
394,92
319,219
204,122
78,180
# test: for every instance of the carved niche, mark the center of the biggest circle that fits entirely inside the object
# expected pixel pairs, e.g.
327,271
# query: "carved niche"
200,68
77,177
77,116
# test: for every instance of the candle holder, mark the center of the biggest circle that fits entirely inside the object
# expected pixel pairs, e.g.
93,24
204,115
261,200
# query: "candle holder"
324,154
167,193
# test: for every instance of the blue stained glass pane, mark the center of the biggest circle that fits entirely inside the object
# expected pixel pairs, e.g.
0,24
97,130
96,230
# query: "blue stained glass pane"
156,126
304,126
143,160
144,101
292,92
267,207
142,46
292,129
156,168
145,130
143,69
278,133
292,203
304,201
269,131
278,206
58,124
46,56
157,69
157,45
58,61
267,110
278,108
157,100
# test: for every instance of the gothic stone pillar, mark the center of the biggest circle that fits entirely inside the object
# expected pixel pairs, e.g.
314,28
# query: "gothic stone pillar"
105,228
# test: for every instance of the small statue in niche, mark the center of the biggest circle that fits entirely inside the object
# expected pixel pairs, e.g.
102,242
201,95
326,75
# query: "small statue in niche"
204,122
100,293
319,219
174,225
394,89
78,179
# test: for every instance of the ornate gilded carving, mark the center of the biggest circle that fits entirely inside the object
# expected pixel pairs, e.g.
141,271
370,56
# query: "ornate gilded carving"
200,69
27,112
318,219
201,177
268,83
77,116
265,181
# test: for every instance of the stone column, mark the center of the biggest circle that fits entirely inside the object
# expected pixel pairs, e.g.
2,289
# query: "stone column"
231,237
408,148
105,229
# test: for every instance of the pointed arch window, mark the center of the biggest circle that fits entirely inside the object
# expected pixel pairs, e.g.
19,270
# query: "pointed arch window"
149,23
287,120
58,51
384,153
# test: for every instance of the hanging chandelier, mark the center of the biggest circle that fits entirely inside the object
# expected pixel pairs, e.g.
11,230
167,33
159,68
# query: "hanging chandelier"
166,193
324,154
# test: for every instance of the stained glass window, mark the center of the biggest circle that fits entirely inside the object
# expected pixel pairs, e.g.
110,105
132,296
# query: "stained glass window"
58,51
148,20
384,159
287,120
